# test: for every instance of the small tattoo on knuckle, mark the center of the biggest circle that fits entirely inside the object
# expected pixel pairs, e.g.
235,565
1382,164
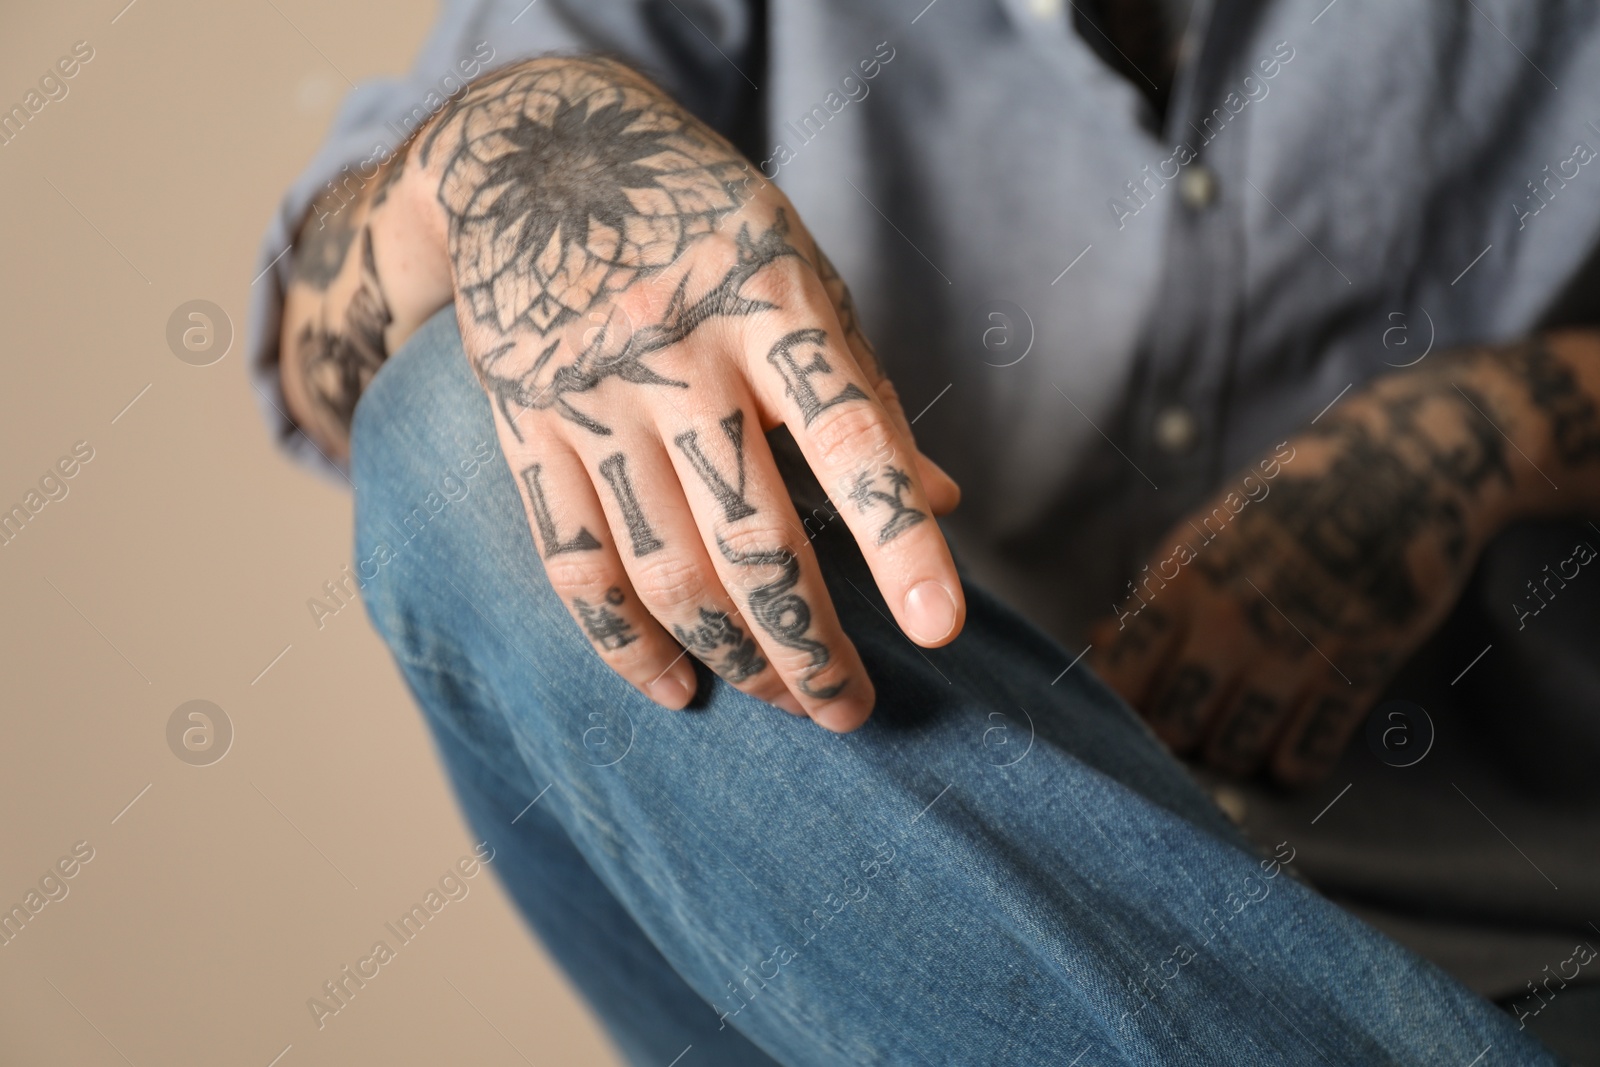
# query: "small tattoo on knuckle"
604,626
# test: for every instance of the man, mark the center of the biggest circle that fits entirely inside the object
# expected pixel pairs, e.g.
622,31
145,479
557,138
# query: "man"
1181,299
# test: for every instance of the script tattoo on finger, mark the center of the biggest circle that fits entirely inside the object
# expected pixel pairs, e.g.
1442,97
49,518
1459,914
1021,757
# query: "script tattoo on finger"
614,468
604,626
866,497
785,359
784,614
338,362
582,541
568,182
734,504
716,631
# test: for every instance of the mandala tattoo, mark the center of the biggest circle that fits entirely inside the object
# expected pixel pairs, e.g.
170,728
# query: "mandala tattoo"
902,516
605,627
784,614
715,631
568,182
337,364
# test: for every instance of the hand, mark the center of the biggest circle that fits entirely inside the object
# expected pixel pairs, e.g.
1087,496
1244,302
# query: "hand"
1273,616
641,307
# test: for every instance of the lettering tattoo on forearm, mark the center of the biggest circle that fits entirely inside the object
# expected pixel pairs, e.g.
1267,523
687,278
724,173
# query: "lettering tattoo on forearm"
715,631
605,627
569,181
337,362
734,504
902,516
784,614
614,468
797,375
582,541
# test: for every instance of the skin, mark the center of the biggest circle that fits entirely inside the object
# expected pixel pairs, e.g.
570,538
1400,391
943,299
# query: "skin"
641,307
1267,648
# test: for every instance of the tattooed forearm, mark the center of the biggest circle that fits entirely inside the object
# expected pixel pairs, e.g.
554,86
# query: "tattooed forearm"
337,362
1553,388
716,631
605,627
734,504
614,468
582,541
784,614
901,515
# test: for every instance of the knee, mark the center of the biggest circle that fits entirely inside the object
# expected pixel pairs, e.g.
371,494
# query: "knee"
429,484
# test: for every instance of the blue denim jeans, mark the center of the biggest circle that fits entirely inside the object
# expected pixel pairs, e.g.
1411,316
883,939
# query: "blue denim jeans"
1003,866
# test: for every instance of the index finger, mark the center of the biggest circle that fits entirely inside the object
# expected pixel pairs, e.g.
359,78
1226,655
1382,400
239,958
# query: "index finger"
812,383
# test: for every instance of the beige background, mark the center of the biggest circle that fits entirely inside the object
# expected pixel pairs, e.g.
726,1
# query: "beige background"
181,560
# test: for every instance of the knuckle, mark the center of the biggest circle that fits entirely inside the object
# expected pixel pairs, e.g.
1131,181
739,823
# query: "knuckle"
668,581
573,575
853,434
772,536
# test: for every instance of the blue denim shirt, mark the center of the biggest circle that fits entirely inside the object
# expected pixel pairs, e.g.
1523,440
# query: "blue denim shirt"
1096,315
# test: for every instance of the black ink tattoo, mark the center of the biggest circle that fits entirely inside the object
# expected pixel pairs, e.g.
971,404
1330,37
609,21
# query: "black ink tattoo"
784,614
582,541
319,253
901,515
1179,705
569,181
797,375
1337,544
605,627
734,504
716,630
337,364
1324,735
1243,738
1554,390
614,468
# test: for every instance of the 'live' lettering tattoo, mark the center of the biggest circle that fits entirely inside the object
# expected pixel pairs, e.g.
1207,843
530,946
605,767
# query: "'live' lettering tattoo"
582,541
797,375
614,468
734,504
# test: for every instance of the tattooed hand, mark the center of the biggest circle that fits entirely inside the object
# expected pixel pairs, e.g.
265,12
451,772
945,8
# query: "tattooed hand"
1272,617
640,306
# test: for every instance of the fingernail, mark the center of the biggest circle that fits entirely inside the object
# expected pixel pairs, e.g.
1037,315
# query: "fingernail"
670,692
930,612
787,702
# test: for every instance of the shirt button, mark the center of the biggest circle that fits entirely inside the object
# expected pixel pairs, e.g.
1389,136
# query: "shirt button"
1197,186
1175,429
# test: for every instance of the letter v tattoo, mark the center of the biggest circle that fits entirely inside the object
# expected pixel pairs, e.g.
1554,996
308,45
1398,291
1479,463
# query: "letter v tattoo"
582,541
734,505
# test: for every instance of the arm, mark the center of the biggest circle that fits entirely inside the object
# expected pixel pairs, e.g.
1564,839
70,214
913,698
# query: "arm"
639,306
1280,609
